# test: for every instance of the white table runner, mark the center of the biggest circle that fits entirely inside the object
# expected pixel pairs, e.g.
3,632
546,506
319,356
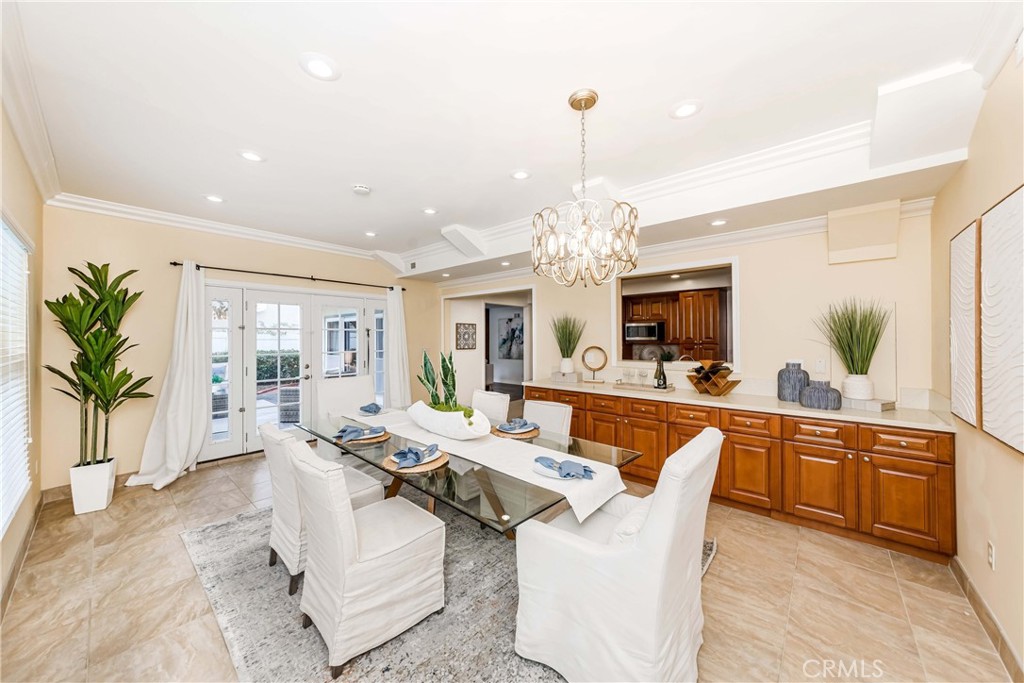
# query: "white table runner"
514,458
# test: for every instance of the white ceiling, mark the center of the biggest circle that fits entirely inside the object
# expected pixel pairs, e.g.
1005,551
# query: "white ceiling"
147,104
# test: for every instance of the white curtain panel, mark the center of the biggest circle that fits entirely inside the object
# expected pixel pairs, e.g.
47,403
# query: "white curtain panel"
179,427
397,352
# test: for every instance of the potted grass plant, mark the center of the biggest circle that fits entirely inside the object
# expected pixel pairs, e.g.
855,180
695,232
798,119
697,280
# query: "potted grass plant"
568,331
444,415
91,318
853,328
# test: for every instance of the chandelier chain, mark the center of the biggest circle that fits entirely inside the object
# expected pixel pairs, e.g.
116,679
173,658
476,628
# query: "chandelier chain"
583,151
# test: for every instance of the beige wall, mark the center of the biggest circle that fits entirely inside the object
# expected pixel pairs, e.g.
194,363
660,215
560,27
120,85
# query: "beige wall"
23,206
783,284
989,475
73,237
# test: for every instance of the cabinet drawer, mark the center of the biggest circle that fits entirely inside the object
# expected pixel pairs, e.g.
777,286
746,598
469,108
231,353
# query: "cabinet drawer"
535,394
758,424
695,416
572,398
604,404
820,432
654,410
909,443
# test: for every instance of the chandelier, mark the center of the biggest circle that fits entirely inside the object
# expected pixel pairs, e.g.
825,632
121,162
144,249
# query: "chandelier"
588,240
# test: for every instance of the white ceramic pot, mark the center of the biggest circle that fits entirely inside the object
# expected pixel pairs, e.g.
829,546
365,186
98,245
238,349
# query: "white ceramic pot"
566,367
453,425
92,486
858,387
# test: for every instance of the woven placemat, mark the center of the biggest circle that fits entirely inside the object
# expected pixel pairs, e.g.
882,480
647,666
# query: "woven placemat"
380,438
525,435
392,466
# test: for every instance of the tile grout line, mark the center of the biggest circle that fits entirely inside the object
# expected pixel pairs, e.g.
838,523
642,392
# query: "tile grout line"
906,611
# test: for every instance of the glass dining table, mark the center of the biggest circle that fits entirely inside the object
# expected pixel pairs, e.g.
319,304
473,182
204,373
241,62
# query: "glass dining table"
494,499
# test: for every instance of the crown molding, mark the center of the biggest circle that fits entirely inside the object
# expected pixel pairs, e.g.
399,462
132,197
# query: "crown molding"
486,277
175,220
916,207
807,226
21,102
999,34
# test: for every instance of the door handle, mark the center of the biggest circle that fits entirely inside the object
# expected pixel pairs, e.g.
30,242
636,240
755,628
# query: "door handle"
305,377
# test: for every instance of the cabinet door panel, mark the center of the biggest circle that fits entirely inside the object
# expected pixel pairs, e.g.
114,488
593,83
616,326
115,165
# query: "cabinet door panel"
635,309
657,307
679,436
689,325
578,424
708,316
752,471
820,484
909,501
535,394
648,437
603,428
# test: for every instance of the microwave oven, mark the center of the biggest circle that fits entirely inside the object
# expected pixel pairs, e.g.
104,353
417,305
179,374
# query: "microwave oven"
645,332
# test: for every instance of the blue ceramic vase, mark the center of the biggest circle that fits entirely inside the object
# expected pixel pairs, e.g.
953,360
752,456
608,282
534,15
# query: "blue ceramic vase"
792,380
821,395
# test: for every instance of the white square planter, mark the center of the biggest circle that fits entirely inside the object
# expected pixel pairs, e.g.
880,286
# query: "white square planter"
92,486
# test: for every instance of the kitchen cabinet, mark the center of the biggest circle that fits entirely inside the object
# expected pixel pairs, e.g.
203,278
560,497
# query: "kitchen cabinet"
643,308
820,484
751,471
700,323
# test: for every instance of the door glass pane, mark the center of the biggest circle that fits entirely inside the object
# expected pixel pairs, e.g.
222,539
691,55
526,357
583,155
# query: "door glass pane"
340,337
378,355
220,349
278,364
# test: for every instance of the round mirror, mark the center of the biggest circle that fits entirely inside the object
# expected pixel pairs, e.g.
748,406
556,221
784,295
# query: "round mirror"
594,358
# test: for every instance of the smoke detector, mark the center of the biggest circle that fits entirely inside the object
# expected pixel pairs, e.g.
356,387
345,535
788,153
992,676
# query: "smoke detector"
361,189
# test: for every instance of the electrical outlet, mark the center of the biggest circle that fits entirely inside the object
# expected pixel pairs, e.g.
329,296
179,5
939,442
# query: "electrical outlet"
991,556
820,367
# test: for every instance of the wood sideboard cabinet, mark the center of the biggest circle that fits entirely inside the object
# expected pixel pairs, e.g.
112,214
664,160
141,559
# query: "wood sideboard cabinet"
888,486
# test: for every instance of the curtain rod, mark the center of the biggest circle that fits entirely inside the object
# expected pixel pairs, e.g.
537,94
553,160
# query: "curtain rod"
294,277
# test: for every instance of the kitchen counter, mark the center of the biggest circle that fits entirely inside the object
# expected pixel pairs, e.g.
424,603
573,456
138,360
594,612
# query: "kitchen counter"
901,417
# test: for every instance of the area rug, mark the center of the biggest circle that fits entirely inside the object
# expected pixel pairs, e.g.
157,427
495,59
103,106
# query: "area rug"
473,639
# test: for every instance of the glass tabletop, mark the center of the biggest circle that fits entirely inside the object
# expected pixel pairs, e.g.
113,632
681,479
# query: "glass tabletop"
494,499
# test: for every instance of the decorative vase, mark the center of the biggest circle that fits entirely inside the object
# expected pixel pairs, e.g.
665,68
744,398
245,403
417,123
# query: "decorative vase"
660,381
858,387
819,394
92,486
454,425
792,380
566,367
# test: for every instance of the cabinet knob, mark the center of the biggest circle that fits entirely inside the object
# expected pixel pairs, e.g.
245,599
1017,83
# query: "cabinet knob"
817,432
691,416
867,459
748,423
849,456
903,444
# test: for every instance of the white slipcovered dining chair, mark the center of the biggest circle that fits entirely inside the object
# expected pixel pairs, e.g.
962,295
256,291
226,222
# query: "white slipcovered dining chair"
287,533
549,416
371,573
617,598
337,396
493,404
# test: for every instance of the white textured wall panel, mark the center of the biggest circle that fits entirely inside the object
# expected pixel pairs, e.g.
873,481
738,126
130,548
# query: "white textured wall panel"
1002,321
962,325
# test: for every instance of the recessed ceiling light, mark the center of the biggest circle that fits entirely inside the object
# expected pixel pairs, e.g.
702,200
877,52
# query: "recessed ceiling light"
675,276
370,234
214,198
361,189
429,211
719,221
249,155
319,66
446,274
505,263
685,109
521,174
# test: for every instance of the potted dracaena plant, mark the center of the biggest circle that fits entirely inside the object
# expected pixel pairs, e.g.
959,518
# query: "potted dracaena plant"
444,415
92,318
853,328
568,331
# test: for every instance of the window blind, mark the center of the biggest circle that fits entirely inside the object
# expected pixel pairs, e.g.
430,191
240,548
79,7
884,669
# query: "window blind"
13,374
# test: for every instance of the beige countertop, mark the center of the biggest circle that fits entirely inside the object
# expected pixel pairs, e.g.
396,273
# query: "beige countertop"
901,417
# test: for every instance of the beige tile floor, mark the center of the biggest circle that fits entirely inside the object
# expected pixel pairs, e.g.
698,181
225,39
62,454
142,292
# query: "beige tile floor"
113,596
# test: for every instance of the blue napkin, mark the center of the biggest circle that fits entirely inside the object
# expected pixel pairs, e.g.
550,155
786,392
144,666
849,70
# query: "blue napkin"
370,409
517,424
412,456
567,469
352,433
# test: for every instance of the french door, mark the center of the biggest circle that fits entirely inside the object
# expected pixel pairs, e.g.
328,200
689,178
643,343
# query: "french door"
268,351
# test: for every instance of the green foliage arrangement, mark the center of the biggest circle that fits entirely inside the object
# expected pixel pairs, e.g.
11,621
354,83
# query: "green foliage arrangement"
92,321
568,331
667,356
854,328
449,403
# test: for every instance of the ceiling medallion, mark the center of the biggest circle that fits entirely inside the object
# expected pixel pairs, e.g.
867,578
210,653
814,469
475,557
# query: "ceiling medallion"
586,240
